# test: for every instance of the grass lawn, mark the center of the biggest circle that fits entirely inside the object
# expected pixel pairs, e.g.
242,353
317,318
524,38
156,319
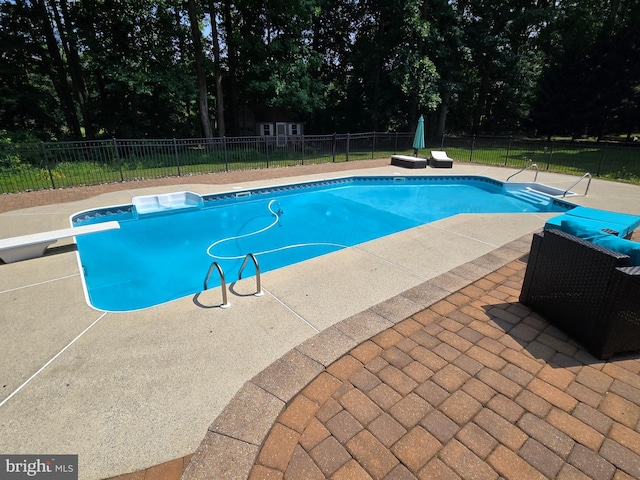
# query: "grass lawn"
620,164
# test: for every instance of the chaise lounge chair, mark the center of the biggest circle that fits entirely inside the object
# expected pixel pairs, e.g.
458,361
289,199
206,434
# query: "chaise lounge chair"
439,159
406,161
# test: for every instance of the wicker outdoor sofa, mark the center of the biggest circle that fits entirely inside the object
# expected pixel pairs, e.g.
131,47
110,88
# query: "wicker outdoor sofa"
590,292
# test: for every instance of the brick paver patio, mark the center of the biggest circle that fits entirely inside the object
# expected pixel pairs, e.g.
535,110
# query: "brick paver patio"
476,386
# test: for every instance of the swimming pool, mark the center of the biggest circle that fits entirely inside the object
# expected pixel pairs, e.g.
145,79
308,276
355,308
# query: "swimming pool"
167,243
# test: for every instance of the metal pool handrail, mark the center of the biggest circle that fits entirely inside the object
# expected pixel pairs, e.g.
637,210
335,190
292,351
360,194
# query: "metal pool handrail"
223,284
251,256
577,182
533,165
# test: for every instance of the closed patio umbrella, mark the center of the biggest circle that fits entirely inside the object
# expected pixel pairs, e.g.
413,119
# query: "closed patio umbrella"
418,140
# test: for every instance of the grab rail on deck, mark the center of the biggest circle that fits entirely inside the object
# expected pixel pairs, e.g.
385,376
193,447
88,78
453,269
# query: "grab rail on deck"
223,284
577,182
533,165
251,256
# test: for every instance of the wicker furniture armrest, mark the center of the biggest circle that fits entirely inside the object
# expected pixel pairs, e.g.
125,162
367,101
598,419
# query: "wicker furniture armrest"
621,330
574,283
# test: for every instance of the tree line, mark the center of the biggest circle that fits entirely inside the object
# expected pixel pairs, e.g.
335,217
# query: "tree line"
74,69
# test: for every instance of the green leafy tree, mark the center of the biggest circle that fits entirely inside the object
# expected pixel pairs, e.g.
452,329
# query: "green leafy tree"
140,64
332,41
201,75
446,47
274,63
217,67
502,38
376,71
43,41
592,74
413,70
66,35
142,68
29,104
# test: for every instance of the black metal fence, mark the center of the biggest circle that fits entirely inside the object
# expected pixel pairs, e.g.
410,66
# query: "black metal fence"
611,160
25,167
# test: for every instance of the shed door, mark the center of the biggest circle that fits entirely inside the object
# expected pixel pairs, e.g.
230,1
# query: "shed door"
281,134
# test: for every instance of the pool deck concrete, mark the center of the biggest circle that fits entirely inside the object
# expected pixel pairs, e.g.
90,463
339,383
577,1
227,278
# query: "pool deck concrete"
130,391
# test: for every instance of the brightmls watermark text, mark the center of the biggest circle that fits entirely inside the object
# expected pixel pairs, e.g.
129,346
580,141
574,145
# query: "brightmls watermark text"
39,467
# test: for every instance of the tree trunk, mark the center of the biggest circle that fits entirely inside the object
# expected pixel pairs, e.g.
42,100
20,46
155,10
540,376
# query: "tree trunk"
231,58
378,73
413,111
203,102
216,69
444,110
55,68
482,96
414,101
70,48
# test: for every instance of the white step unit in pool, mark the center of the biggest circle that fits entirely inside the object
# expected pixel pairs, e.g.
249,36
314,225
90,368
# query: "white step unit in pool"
537,188
166,202
532,196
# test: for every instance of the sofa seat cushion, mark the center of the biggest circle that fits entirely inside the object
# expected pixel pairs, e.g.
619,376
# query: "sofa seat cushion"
598,237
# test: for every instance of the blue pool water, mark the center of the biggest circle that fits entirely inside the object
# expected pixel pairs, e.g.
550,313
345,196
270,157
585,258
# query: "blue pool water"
153,259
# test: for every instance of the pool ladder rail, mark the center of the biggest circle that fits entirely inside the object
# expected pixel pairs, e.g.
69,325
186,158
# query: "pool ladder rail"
253,258
535,179
532,166
586,175
223,283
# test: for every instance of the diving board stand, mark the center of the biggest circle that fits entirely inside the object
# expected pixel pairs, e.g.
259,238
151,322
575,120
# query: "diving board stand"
34,245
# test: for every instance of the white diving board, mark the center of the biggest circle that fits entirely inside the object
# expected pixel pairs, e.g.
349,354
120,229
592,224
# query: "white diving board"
34,245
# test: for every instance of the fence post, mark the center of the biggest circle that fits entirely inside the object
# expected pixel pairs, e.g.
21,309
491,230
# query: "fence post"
175,151
604,154
266,146
373,147
115,147
506,158
395,145
442,141
333,149
347,147
473,145
550,154
226,159
302,147
46,162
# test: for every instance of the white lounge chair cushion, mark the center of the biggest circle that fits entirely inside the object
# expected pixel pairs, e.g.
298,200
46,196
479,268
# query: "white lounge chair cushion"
439,155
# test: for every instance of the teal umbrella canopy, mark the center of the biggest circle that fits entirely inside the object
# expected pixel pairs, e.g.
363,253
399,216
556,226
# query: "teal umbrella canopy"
418,140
